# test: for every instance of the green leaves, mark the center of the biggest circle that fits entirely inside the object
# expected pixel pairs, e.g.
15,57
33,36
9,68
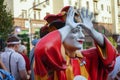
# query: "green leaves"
6,21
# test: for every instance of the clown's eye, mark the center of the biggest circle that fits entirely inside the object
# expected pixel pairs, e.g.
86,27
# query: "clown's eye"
75,30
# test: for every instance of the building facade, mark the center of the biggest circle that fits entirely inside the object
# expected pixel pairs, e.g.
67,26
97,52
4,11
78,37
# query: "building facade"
29,14
106,12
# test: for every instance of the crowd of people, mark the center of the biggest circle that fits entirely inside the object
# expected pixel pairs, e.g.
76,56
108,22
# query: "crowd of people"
59,53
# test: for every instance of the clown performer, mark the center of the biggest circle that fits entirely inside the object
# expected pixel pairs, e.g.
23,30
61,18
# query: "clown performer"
58,55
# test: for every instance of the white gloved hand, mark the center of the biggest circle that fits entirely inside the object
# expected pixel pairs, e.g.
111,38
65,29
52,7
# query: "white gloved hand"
70,19
86,18
69,24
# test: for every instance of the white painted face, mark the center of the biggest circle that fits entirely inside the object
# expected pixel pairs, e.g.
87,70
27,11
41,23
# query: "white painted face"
75,38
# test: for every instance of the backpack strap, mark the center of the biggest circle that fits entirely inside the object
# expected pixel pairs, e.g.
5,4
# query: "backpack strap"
9,62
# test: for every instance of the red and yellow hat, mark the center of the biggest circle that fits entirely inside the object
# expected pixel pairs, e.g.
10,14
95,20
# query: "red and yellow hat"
51,17
58,20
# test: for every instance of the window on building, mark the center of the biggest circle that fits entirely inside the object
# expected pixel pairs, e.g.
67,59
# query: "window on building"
118,30
34,14
24,13
87,3
109,20
69,2
103,19
38,1
109,9
47,2
119,10
76,3
95,5
118,1
102,7
119,20
44,5
39,15
34,0
75,7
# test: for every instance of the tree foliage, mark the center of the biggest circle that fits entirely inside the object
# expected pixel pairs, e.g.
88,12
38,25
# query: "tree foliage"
6,21
114,43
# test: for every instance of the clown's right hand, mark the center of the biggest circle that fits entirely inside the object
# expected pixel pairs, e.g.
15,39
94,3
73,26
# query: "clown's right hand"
69,24
70,19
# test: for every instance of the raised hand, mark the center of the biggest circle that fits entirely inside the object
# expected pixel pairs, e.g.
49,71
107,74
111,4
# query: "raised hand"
69,24
70,18
86,18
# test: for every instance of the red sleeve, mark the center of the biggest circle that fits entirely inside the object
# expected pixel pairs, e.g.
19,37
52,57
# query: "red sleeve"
97,65
48,54
109,51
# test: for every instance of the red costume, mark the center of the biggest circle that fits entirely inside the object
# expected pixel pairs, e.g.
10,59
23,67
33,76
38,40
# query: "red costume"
51,65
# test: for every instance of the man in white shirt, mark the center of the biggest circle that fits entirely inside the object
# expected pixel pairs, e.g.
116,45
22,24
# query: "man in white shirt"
14,61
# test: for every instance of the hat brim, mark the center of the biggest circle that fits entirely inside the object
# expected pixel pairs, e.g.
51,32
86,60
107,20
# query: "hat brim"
57,23
51,17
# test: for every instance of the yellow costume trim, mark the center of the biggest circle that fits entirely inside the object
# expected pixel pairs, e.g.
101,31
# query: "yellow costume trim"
84,72
69,70
37,77
102,52
82,68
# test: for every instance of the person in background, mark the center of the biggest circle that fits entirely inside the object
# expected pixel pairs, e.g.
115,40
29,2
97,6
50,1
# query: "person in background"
23,51
31,58
58,55
13,61
3,69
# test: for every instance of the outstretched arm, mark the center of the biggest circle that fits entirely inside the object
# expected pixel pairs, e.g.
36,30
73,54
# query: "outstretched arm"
87,25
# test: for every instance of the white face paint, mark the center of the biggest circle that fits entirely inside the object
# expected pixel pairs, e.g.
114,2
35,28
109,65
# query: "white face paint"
75,38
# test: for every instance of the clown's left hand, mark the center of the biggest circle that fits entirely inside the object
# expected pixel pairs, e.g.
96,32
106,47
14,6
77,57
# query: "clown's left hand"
86,18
